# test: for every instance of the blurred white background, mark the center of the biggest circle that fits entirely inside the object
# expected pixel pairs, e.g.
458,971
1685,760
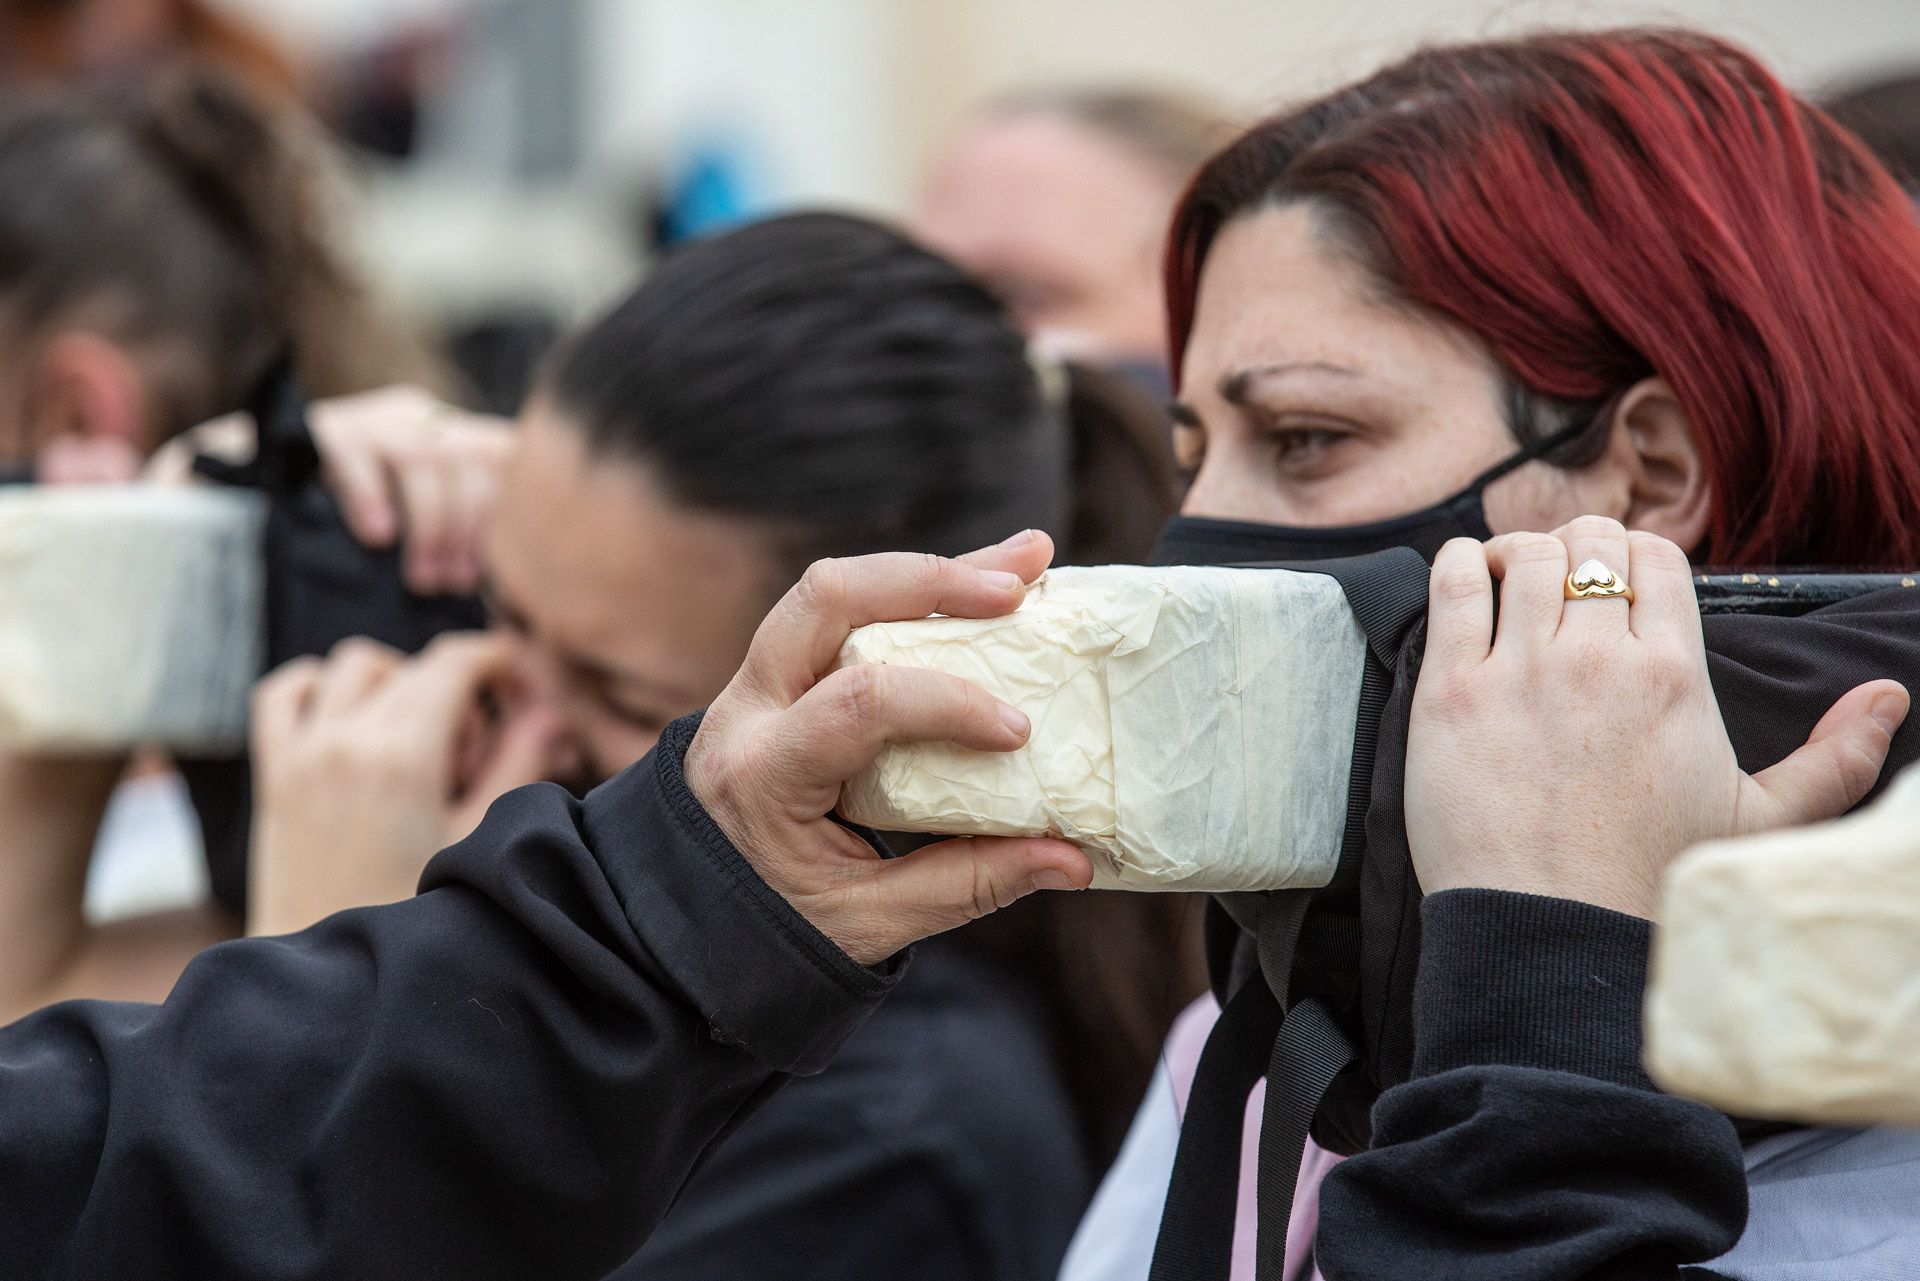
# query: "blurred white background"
550,131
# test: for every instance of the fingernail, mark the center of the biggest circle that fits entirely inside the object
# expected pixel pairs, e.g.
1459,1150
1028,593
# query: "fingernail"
1020,539
1052,880
1003,580
1016,720
1888,711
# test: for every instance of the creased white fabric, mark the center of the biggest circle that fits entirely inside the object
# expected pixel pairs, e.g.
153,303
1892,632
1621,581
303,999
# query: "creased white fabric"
128,614
1192,728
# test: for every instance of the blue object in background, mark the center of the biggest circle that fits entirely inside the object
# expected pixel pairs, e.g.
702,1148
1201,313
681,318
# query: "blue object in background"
719,183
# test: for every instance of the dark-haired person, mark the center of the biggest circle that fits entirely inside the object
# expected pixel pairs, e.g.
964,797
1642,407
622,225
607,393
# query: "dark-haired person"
1490,289
513,1073
806,387
160,247
1058,200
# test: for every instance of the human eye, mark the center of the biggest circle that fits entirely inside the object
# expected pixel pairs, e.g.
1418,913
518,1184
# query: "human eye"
645,719
1307,449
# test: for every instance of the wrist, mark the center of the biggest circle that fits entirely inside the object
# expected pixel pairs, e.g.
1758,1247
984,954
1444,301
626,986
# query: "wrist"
1599,877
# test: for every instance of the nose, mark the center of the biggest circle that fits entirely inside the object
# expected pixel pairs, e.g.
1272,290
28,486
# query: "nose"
1224,491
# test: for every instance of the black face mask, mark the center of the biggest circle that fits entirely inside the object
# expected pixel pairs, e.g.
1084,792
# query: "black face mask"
1200,540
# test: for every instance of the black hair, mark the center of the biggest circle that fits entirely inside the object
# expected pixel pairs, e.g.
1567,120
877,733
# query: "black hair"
825,376
183,213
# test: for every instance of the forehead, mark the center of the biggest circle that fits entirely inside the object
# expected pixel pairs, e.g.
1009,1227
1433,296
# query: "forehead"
1042,175
1274,292
598,564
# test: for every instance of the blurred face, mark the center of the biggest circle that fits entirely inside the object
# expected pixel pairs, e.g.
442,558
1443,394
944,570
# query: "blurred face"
1307,400
634,610
1063,223
74,408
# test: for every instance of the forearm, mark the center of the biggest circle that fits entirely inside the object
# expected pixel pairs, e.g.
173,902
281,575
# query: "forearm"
50,812
509,1075
1529,1143
137,958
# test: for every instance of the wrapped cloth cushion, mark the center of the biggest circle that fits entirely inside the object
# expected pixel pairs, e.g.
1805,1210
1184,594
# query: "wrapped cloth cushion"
128,615
1786,970
1193,728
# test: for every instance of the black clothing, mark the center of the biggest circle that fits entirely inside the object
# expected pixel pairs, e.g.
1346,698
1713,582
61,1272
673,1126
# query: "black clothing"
510,1075
322,586
1529,1143
1347,965
939,1146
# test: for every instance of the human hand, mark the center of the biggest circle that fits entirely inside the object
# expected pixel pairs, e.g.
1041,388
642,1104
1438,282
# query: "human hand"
788,731
1580,750
366,764
400,460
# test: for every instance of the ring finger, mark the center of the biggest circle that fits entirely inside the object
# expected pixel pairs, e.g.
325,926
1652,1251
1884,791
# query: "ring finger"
1596,547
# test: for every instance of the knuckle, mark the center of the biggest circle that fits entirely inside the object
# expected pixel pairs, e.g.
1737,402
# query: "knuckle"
1457,584
359,649
285,677
985,894
1670,669
859,695
1597,528
1653,551
821,587
1450,699
1528,548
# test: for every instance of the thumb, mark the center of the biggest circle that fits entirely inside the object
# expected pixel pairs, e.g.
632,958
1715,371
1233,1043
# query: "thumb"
1840,761
950,883
522,754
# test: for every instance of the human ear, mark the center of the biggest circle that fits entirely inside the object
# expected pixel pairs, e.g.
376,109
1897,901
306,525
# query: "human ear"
1668,490
87,408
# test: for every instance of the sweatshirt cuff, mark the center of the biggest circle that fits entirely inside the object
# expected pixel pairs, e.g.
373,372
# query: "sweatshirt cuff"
762,976
1518,980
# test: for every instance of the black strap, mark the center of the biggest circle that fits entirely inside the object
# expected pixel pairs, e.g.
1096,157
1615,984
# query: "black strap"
1308,1054
1196,1227
285,456
1301,1054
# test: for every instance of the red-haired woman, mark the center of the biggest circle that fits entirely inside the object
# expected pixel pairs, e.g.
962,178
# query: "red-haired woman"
1493,288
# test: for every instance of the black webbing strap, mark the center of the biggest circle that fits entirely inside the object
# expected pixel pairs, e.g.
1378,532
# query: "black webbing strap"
1308,1053
1196,1227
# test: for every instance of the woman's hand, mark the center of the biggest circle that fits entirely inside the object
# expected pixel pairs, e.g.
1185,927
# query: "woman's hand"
369,763
1577,750
404,464
776,746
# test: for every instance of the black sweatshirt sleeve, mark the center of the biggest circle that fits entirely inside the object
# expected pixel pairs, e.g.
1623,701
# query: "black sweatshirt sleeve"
510,1075
1530,1144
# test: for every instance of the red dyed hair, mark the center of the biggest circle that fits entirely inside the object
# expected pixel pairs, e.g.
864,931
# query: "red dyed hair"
1598,208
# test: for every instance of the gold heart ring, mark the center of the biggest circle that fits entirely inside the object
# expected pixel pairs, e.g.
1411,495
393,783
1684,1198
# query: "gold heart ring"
1594,581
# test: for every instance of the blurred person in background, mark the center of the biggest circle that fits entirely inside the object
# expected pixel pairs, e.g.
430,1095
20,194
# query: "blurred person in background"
1503,287
1058,200
162,247
47,42
806,387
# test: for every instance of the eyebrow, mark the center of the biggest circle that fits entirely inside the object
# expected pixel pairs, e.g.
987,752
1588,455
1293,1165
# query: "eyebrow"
1236,387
